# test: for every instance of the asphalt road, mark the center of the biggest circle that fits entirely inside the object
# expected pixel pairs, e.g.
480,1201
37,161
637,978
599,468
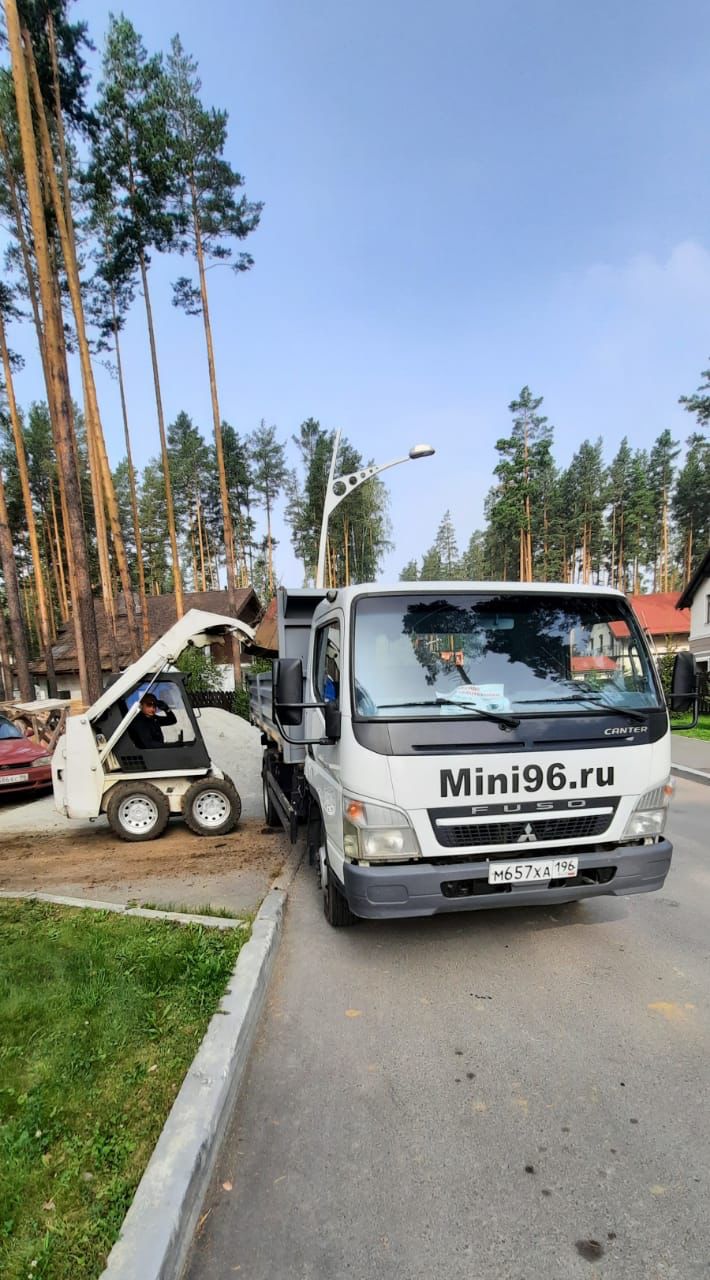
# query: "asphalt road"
505,1094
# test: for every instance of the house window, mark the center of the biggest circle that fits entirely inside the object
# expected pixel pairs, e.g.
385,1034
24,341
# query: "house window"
707,609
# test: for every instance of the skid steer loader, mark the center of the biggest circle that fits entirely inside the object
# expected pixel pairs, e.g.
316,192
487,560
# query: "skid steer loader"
101,766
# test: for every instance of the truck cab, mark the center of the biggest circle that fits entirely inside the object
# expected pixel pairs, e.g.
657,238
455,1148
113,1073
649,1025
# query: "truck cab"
469,745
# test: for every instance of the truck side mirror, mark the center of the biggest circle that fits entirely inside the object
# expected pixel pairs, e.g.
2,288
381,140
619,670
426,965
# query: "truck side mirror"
331,716
684,683
288,691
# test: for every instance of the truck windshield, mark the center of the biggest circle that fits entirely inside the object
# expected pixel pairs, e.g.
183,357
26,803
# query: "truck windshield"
527,654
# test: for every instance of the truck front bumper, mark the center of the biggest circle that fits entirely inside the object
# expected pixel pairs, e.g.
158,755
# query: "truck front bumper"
428,888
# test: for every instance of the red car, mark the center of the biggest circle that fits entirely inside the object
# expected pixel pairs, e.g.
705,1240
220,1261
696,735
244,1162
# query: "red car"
23,765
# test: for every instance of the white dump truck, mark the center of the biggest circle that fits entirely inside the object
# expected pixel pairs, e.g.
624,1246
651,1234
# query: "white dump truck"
137,754
453,746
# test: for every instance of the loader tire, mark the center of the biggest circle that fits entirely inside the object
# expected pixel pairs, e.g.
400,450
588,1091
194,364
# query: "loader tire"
212,806
137,811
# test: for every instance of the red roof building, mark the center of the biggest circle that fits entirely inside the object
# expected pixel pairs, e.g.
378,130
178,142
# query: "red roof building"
660,619
592,662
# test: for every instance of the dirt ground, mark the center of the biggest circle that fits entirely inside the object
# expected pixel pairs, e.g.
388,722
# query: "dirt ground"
180,869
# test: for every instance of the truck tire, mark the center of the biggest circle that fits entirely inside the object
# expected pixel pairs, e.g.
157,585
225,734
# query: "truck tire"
211,806
137,811
335,908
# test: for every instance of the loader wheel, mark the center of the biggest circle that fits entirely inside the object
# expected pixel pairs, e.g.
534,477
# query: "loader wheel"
137,811
212,806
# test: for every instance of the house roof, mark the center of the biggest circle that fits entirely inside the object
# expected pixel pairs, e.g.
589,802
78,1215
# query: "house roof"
267,637
702,571
593,662
659,614
242,604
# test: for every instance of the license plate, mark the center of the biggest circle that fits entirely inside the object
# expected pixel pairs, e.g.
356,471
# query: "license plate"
532,872
14,777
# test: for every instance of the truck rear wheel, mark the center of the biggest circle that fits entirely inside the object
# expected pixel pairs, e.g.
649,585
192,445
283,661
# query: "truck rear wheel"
212,806
335,908
137,811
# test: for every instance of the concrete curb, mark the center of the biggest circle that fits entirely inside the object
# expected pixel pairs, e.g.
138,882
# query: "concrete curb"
158,1229
692,775
122,909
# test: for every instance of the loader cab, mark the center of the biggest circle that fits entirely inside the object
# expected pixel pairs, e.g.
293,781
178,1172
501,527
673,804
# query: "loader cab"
183,748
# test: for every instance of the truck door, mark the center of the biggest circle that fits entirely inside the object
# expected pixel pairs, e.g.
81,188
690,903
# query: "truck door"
324,767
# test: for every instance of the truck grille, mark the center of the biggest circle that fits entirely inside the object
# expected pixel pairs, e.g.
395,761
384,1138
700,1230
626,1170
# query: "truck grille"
523,832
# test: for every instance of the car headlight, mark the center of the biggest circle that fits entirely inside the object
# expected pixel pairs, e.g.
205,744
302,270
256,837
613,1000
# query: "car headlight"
376,833
650,813
41,760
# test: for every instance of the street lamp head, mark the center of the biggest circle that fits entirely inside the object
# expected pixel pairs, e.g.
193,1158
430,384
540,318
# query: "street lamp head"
421,451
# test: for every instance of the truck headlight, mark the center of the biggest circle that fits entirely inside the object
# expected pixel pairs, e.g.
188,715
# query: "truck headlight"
376,833
650,813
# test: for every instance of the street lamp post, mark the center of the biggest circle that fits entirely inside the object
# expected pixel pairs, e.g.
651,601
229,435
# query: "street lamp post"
340,486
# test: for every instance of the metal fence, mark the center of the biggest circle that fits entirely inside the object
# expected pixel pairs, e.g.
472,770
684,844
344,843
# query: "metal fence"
210,698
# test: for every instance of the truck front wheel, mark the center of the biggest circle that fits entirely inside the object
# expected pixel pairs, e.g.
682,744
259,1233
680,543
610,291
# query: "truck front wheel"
335,908
137,811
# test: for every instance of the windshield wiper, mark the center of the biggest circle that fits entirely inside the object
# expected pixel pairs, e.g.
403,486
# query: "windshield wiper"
597,698
506,722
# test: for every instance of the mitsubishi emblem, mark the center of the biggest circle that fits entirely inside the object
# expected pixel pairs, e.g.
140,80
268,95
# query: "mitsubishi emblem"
528,834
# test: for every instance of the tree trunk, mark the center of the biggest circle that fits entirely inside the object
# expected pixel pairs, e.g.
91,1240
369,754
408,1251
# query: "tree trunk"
269,551
60,399
103,482
169,508
200,542
103,552
14,603
24,248
193,548
42,606
132,482
5,664
216,416
61,580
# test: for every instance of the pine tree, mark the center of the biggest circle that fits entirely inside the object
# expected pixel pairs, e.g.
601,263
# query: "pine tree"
516,505
154,527
240,487
447,548
102,482
699,403
268,464
133,169
191,465
410,572
8,311
358,532
473,563
690,505
214,213
661,475
58,382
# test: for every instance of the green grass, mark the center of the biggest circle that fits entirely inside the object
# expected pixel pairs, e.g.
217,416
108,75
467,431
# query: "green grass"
100,1016
222,913
702,730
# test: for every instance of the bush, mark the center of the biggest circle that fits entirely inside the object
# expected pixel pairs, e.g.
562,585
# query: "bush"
202,675
241,702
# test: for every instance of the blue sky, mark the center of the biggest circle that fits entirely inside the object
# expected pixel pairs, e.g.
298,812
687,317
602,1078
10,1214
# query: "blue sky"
460,198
